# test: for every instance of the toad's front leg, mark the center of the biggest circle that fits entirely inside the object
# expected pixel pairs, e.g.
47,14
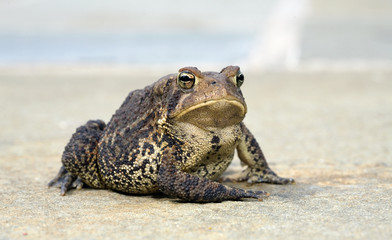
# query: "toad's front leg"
258,170
188,187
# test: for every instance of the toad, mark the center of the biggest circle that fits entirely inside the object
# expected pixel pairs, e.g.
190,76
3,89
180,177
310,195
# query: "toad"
176,136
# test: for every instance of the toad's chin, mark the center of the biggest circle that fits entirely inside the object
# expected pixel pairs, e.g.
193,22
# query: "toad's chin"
214,113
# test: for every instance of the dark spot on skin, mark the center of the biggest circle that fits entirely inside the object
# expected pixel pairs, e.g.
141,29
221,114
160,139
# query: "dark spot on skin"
167,139
215,139
216,147
155,137
149,147
143,167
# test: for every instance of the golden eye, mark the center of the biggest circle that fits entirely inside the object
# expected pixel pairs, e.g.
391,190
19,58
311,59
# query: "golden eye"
239,78
186,80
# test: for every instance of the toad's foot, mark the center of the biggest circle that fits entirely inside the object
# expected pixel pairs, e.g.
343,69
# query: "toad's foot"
65,181
260,195
257,175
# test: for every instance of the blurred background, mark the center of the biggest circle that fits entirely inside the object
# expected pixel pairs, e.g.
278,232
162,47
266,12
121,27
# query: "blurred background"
255,34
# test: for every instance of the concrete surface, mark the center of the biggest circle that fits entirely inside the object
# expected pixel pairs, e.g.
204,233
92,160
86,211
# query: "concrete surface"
331,131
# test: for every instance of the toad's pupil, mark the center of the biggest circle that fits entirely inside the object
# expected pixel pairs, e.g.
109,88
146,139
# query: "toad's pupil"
185,78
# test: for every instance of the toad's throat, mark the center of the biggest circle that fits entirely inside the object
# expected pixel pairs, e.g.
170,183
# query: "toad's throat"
214,113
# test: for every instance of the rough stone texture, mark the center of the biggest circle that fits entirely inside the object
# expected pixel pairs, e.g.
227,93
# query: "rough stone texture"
331,131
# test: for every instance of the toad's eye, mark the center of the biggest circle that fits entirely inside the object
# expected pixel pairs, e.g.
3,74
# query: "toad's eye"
186,80
239,78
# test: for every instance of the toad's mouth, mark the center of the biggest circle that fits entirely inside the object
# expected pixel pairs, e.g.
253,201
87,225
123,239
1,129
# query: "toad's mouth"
214,113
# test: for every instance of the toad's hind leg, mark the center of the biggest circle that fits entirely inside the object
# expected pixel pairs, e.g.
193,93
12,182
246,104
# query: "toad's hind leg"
80,165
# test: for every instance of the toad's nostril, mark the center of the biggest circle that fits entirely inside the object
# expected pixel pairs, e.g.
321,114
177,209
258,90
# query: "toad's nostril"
213,83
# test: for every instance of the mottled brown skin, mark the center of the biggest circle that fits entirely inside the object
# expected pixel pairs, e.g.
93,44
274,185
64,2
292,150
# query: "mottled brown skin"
175,136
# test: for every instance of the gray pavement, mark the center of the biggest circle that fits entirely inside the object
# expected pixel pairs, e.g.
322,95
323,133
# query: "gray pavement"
329,131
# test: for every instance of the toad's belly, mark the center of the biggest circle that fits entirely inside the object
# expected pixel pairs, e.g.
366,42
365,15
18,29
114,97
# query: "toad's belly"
213,167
